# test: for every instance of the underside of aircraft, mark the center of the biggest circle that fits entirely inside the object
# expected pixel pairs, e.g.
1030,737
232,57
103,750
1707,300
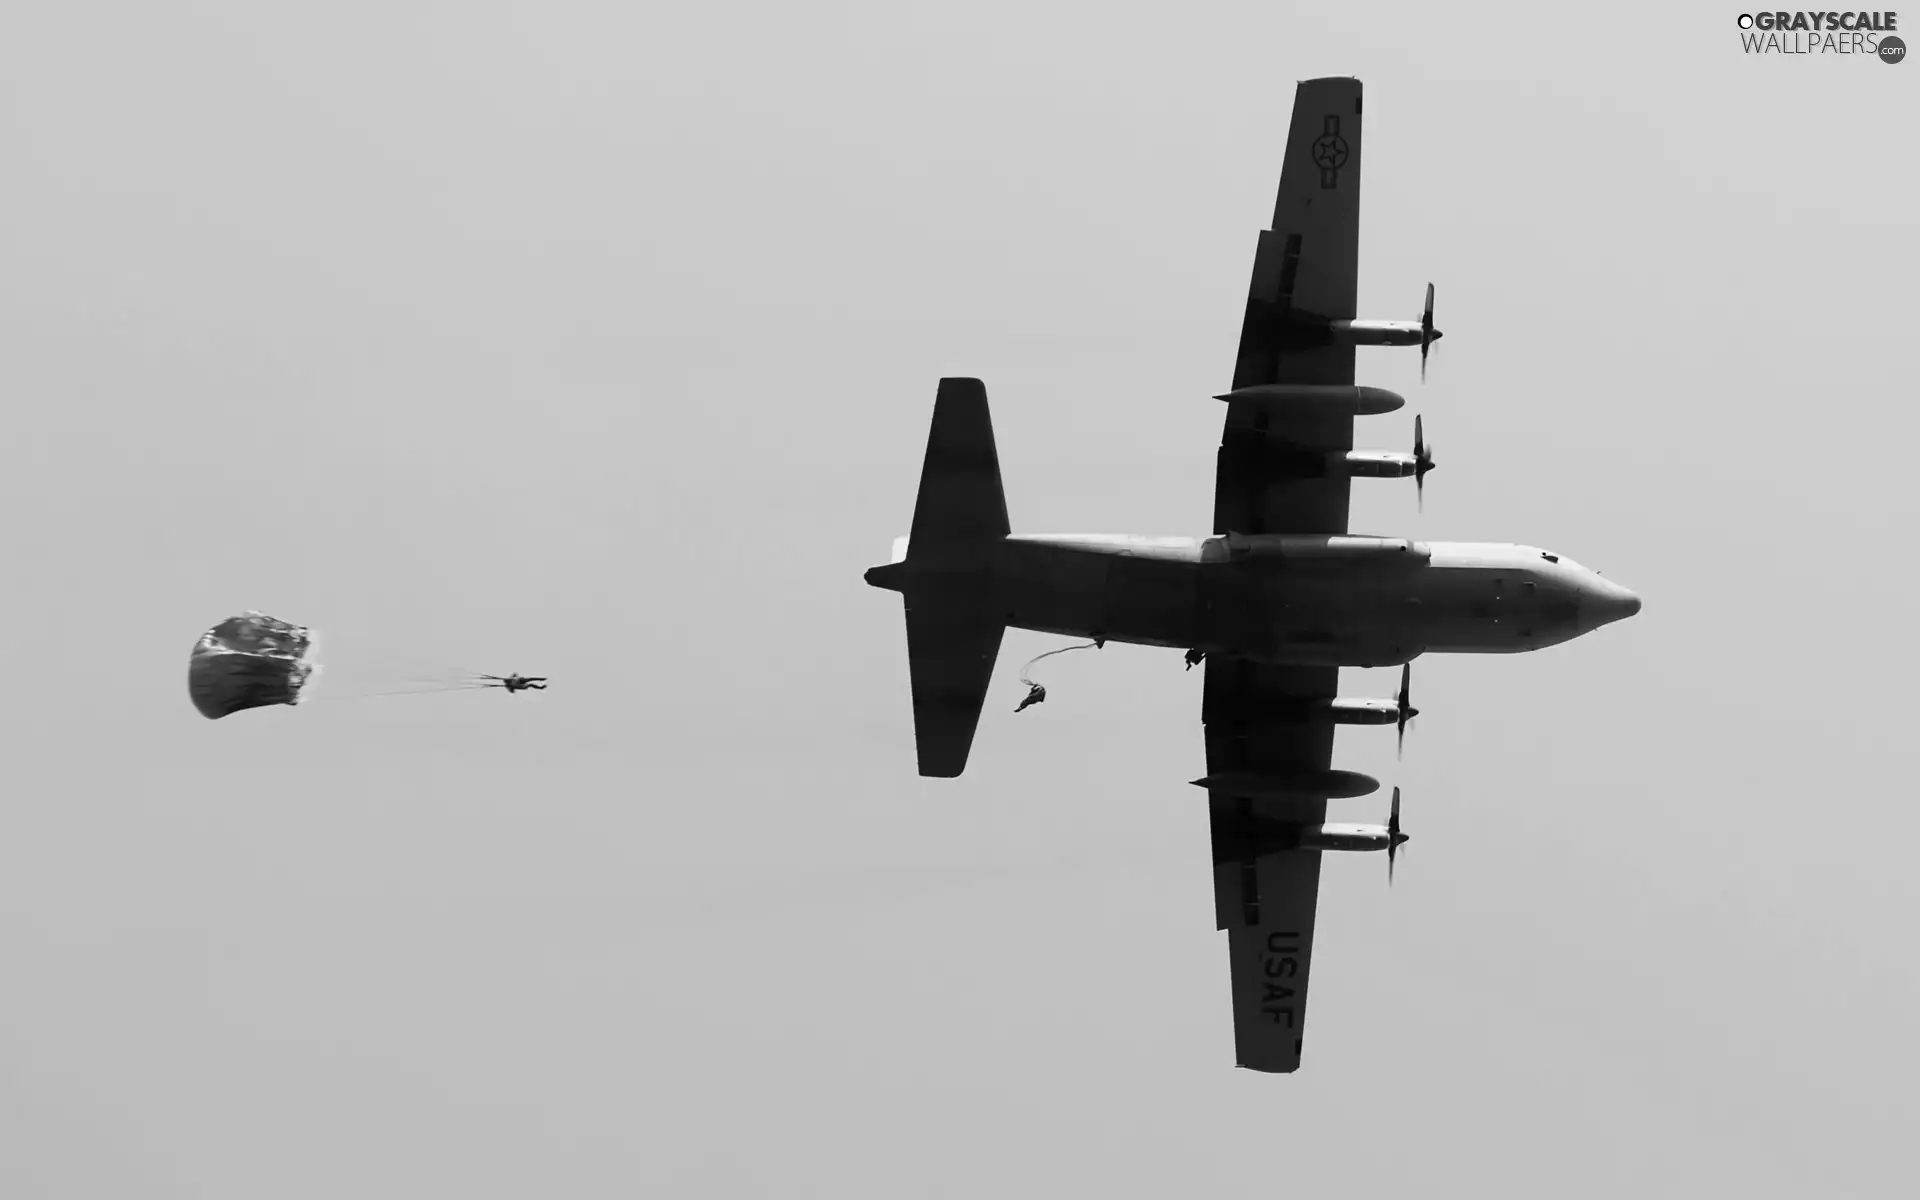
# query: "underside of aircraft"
1274,602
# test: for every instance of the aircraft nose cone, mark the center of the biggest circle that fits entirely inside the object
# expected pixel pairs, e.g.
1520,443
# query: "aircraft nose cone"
1437,335
1608,602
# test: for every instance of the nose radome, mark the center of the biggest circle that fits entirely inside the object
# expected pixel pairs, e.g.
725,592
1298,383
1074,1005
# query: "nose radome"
1613,603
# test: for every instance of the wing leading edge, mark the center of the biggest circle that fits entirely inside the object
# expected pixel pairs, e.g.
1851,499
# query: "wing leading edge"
1265,891
1305,274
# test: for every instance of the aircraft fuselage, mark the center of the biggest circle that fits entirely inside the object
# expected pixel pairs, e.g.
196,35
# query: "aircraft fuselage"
1298,599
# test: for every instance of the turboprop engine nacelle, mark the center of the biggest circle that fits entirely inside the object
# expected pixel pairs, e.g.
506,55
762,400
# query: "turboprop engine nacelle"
1375,333
1348,711
1374,464
1345,836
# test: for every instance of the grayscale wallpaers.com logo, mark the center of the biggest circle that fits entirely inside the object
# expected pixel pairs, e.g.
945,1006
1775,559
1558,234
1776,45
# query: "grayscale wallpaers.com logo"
1868,34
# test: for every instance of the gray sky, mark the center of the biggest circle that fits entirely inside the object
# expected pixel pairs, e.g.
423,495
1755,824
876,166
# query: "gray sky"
600,341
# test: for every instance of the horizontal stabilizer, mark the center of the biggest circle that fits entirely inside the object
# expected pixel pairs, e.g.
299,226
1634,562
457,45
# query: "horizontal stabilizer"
961,502
944,572
951,649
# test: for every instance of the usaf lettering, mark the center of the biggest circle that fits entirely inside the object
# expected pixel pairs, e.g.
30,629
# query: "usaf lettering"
1281,961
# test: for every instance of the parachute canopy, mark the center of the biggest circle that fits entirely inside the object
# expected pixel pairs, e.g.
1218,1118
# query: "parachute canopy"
248,661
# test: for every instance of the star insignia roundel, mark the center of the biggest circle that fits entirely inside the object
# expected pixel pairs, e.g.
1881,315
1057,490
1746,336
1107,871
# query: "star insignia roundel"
1330,152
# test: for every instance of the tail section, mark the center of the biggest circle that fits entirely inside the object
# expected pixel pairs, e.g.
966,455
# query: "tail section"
961,500
943,570
950,653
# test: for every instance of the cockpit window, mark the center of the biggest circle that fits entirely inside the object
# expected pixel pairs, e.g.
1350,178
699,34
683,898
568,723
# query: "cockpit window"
1549,557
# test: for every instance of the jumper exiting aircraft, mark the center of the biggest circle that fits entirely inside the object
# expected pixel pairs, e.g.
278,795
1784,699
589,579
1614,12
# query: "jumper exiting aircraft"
1275,603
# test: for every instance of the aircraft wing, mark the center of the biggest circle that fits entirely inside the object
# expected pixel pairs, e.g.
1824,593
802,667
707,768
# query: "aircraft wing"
1265,897
1305,274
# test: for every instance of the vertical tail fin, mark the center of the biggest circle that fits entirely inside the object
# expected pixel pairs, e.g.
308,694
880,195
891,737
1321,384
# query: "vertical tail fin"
944,572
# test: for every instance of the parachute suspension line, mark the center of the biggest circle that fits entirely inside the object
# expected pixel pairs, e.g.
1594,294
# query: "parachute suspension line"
403,666
436,690
332,698
1036,693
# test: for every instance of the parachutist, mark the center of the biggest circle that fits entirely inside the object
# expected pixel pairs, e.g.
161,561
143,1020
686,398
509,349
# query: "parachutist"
1038,693
517,682
1194,658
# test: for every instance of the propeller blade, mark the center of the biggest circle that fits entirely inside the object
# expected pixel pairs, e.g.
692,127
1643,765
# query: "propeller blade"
1419,461
1405,704
1394,836
1428,335
1422,460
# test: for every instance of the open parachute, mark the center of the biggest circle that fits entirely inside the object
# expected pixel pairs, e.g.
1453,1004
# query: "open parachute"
248,661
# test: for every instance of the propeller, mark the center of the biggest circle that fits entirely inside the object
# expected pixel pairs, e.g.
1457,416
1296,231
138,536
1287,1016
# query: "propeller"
1404,701
1394,836
1428,334
1422,462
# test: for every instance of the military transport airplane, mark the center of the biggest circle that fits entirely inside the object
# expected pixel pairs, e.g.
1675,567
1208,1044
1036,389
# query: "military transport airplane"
1275,603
